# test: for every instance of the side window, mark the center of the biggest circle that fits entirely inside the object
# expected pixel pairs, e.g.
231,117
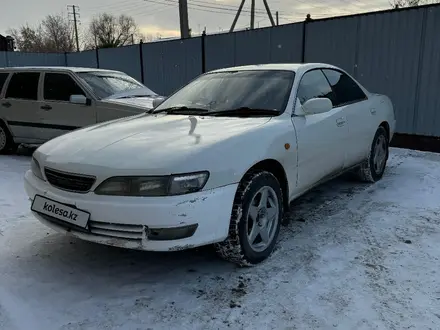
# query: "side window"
23,85
60,86
346,90
3,77
314,85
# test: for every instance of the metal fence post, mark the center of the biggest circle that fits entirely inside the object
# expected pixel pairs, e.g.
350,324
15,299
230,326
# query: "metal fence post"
419,71
303,50
97,56
203,51
141,55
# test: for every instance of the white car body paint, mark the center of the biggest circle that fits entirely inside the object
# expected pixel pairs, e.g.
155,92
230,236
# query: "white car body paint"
163,144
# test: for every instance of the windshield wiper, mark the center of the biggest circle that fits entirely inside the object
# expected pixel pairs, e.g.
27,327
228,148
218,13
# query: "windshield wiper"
134,96
182,109
244,112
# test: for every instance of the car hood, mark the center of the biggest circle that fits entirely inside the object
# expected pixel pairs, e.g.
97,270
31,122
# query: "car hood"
142,102
160,144
136,92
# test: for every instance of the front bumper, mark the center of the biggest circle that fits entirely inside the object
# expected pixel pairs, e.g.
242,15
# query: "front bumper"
129,221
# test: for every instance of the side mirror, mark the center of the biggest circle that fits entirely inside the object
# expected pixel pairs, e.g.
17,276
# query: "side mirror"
317,105
79,99
158,101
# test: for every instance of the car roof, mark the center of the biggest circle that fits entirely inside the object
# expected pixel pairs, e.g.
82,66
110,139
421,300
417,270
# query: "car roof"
55,68
295,67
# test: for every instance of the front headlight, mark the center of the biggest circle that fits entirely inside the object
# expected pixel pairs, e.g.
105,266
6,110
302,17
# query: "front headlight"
153,186
36,169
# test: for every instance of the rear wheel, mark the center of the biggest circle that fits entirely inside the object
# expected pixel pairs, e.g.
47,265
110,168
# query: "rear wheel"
6,142
373,168
255,221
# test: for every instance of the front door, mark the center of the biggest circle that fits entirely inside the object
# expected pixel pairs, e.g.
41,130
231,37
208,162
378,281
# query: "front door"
322,138
58,115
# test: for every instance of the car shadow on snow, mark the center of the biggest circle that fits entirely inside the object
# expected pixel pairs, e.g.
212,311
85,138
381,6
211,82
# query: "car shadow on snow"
100,274
69,254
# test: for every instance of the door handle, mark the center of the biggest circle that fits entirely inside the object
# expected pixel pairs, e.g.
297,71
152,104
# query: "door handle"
46,107
373,111
7,104
340,122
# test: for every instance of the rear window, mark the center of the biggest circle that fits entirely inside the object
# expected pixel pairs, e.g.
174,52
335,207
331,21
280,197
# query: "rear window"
23,85
3,77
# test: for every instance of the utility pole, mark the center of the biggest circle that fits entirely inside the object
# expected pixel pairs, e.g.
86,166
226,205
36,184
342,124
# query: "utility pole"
183,15
252,14
277,18
75,23
252,23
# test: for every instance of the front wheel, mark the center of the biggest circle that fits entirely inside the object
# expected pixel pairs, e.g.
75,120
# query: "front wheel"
255,220
373,168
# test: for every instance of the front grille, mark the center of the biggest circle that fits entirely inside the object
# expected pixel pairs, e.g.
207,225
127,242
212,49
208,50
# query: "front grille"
69,181
116,230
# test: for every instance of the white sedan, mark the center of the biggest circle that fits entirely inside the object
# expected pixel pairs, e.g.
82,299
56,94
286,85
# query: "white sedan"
218,162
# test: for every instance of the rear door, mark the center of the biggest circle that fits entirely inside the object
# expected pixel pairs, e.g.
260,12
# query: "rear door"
20,106
322,138
57,113
354,104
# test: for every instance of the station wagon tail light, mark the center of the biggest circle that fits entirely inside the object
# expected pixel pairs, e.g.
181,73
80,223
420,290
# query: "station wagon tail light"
36,169
149,186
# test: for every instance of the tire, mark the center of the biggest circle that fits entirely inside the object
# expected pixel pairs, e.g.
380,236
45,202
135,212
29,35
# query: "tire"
373,168
6,142
239,248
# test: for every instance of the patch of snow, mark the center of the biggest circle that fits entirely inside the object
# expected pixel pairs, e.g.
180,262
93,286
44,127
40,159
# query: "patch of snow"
362,257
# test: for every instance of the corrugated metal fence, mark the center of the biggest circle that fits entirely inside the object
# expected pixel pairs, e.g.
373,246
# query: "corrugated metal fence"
396,53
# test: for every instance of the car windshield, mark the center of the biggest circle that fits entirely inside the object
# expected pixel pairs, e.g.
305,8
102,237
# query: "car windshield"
105,84
233,90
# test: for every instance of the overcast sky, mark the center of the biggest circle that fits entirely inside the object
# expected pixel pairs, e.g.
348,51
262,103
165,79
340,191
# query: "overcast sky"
161,16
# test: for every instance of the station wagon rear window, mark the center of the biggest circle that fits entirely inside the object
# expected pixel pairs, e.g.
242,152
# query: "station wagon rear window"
23,85
3,77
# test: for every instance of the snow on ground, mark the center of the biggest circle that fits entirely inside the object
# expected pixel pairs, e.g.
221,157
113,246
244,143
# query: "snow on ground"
354,256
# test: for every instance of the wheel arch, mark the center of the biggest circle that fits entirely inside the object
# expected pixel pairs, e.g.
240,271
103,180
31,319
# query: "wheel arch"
277,169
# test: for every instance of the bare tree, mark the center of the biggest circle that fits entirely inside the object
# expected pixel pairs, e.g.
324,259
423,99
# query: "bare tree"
58,33
411,3
53,34
108,31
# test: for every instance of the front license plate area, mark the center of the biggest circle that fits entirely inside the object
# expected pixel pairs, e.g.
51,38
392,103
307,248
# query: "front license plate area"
60,211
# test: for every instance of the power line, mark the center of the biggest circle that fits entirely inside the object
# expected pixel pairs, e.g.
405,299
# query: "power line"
120,7
206,8
232,7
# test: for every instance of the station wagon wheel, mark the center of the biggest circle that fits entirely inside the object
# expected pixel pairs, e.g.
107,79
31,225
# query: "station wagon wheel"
373,168
2,138
255,220
6,142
